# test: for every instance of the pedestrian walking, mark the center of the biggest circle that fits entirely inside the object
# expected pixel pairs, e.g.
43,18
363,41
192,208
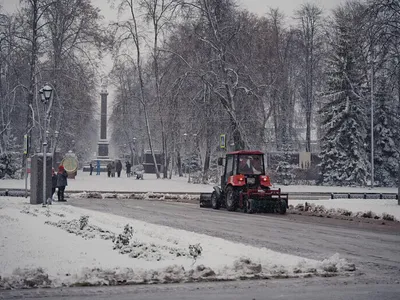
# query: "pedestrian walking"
98,167
119,168
113,169
62,176
128,169
91,168
53,183
109,169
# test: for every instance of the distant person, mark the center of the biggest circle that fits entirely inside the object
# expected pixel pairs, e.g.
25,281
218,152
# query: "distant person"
98,167
128,169
53,182
109,169
113,168
91,168
62,176
119,168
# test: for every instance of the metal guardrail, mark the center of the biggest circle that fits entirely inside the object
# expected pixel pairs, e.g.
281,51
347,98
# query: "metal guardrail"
292,195
364,196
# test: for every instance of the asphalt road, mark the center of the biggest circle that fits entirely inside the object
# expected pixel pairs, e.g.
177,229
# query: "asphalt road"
375,252
312,289
375,249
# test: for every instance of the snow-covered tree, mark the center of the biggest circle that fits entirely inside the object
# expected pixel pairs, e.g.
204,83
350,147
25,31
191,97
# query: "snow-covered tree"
386,156
284,170
343,154
10,160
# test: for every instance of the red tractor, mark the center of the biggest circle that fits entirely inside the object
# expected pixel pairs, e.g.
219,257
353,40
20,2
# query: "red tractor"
245,186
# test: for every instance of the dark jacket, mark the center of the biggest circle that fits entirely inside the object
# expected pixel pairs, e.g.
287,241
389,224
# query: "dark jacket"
119,166
62,178
54,181
128,167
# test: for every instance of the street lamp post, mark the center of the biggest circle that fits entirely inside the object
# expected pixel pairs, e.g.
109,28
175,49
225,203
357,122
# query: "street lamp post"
45,95
372,121
54,139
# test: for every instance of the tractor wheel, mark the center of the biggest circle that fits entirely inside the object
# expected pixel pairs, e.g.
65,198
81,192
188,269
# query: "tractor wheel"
281,207
250,209
231,198
215,202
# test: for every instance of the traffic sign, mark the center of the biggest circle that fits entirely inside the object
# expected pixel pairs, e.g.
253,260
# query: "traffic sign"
222,141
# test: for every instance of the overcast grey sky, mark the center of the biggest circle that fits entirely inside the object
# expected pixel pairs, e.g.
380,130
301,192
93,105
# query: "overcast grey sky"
259,7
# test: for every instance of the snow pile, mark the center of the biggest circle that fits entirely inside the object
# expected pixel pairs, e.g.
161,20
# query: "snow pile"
79,228
66,246
322,211
26,278
138,196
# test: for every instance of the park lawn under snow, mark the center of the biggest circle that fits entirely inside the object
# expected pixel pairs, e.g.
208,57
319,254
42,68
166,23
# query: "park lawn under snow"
33,253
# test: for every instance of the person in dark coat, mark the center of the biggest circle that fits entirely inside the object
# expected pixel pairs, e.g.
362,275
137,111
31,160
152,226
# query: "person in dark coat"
61,182
53,182
113,169
128,169
91,168
97,167
109,169
118,166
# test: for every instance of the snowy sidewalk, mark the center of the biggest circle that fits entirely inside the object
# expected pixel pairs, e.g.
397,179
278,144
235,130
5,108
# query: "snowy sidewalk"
85,182
64,245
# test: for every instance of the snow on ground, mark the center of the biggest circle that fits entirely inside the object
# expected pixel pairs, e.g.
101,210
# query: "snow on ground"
84,182
377,206
35,253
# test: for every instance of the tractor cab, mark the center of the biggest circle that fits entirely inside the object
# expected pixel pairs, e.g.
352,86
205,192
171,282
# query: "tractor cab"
245,169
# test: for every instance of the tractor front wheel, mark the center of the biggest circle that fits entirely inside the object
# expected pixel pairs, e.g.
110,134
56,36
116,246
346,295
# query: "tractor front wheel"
215,202
232,198
281,207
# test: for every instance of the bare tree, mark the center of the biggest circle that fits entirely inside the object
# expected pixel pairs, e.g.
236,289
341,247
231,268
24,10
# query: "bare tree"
309,18
129,31
159,13
75,39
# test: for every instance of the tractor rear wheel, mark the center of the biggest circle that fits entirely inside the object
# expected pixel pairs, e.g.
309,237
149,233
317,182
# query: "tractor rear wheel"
281,207
215,202
231,198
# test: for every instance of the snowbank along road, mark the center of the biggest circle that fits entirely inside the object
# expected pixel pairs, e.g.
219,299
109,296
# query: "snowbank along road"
375,252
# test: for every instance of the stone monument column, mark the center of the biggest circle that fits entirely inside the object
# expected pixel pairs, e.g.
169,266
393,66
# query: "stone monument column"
103,142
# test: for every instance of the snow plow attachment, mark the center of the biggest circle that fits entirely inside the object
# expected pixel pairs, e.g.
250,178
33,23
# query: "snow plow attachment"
254,201
205,199
250,201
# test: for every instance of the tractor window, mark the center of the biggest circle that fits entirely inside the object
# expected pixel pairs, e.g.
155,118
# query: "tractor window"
251,164
229,166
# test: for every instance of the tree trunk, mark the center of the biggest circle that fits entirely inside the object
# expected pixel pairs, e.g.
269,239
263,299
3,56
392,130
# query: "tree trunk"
207,159
32,77
142,88
179,163
308,131
237,137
